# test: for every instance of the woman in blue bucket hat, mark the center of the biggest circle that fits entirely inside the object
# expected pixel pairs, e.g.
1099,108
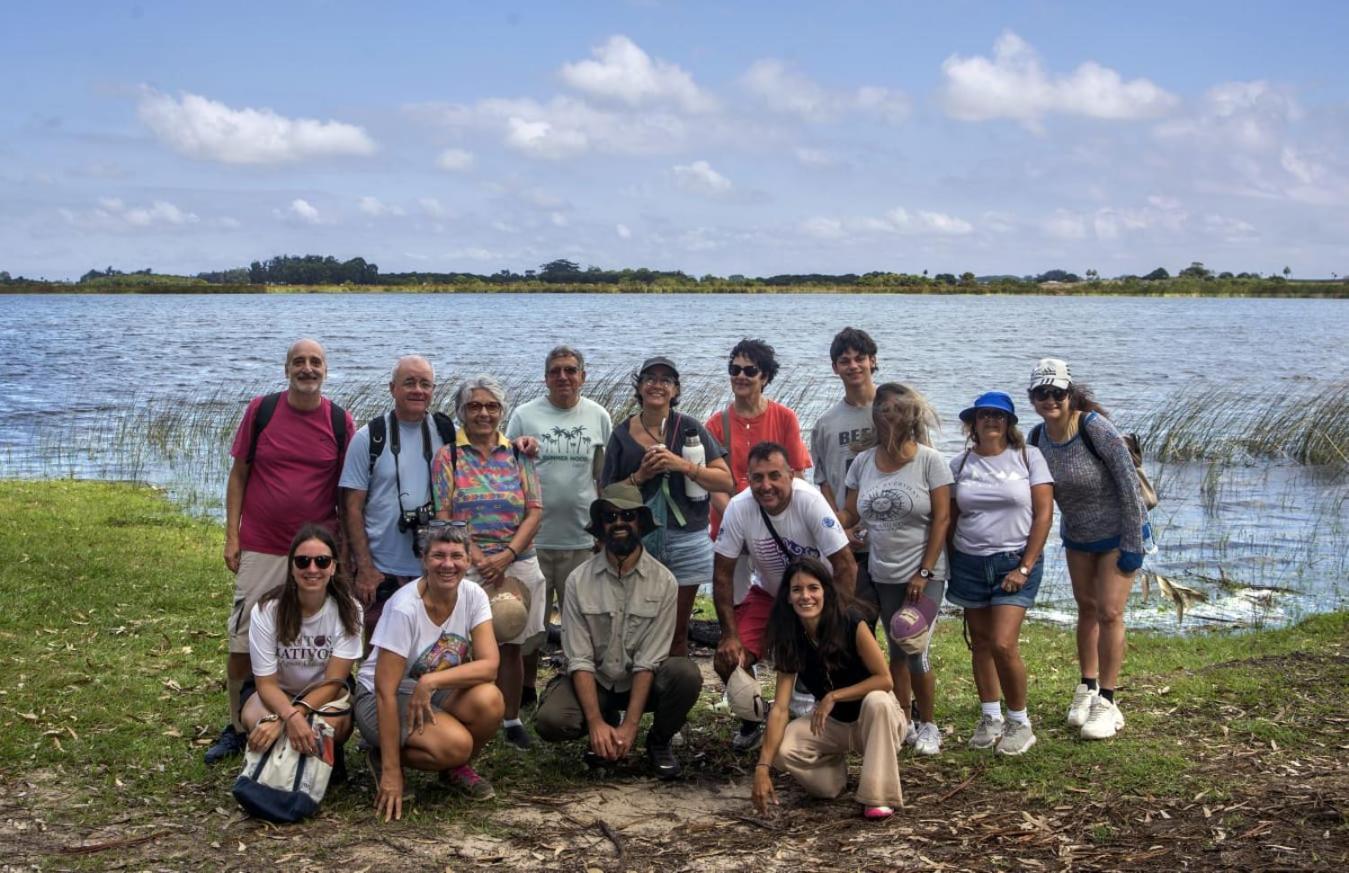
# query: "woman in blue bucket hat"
1002,507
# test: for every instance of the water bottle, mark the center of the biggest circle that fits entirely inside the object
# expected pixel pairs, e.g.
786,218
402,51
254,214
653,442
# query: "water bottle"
694,454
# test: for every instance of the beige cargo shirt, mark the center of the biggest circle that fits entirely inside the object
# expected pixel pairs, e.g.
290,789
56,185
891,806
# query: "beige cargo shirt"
614,625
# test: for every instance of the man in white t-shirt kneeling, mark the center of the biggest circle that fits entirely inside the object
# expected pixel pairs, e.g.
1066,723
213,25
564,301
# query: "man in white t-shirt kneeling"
777,519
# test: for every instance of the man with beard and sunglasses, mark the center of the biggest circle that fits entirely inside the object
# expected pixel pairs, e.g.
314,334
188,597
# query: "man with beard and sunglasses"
287,454
618,614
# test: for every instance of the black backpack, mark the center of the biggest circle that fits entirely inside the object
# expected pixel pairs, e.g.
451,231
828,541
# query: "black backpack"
267,408
379,428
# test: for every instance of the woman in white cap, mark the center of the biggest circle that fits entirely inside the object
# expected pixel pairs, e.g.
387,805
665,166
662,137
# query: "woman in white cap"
1002,506
1102,521
647,451
425,696
900,489
813,634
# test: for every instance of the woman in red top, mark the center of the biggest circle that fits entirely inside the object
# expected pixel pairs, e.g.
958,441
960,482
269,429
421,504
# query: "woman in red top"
752,418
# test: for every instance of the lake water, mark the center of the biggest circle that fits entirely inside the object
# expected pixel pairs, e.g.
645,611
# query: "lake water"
76,372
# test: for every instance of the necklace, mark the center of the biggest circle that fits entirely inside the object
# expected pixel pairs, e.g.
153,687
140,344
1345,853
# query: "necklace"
659,436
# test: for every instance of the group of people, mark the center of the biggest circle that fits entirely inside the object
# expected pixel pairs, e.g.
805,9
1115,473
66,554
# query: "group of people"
432,555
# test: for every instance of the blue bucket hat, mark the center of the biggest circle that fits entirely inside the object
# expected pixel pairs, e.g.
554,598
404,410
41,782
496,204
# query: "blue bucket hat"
998,400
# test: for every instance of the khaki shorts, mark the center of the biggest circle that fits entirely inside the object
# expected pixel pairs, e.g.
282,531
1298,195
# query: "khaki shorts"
258,574
556,565
528,572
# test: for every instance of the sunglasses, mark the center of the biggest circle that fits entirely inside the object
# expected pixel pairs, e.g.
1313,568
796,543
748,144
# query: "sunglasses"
609,516
750,372
323,562
1045,392
989,413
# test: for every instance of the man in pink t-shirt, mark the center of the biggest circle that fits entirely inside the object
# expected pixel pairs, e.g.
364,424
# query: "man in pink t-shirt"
287,452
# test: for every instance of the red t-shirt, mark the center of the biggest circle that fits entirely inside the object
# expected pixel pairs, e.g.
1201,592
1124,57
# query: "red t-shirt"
776,424
293,479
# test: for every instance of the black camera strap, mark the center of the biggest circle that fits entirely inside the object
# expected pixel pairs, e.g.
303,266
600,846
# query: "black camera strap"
394,446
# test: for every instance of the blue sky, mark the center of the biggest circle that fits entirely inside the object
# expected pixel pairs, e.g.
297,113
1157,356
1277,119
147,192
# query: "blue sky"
752,138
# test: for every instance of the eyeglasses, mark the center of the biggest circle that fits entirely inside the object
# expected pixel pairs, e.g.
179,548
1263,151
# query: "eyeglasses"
473,407
555,372
750,372
609,516
437,523
1046,392
411,383
653,379
323,562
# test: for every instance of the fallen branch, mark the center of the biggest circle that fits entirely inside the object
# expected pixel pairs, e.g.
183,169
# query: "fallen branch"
91,848
611,835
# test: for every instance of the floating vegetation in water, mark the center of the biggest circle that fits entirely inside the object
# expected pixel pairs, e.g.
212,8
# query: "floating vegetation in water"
1181,595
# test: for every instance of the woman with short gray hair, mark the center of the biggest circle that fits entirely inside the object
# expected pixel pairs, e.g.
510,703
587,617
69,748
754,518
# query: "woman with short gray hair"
484,481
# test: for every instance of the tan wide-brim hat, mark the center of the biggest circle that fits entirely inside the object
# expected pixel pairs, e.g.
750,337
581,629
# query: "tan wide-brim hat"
744,695
510,608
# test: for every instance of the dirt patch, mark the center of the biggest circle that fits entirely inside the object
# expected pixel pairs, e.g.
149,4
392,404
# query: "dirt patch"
1272,809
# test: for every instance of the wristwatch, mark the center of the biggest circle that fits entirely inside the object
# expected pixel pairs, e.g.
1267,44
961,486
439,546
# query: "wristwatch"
1024,571
924,572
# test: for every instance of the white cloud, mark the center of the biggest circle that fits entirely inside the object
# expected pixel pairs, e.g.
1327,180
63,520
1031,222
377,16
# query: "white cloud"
785,90
455,160
810,157
301,209
821,227
1066,225
1253,116
896,221
922,221
431,207
1015,85
205,129
112,214
623,72
376,208
699,178
623,231
543,139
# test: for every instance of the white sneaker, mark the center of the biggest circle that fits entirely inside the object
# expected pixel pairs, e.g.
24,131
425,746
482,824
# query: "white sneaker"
1081,706
1017,740
929,739
911,734
987,732
1103,721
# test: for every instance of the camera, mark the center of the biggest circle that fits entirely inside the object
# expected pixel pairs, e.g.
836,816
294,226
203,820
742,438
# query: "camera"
416,520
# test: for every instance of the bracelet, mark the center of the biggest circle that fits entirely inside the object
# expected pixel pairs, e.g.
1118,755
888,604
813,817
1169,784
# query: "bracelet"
757,766
514,553
271,716
295,711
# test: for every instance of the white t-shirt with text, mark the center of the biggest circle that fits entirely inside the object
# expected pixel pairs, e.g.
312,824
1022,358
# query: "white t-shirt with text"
296,663
897,511
807,527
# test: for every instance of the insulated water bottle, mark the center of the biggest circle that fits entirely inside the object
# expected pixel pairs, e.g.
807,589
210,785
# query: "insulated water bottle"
693,453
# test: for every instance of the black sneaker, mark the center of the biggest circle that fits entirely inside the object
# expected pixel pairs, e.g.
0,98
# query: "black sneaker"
663,760
593,761
529,697
227,745
517,736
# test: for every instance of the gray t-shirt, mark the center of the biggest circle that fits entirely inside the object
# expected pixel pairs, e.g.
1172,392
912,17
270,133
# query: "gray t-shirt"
390,550
831,443
897,510
569,440
993,495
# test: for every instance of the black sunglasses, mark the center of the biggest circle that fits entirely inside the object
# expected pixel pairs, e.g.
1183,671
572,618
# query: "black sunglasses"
750,372
323,562
609,516
1045,392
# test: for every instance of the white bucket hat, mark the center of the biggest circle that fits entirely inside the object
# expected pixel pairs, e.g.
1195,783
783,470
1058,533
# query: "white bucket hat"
743,694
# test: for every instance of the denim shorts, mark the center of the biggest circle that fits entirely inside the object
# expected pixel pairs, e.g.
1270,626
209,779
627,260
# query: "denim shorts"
688,555
976,580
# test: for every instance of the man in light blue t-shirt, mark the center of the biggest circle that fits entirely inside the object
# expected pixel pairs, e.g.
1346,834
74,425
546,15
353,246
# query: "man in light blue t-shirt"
572,432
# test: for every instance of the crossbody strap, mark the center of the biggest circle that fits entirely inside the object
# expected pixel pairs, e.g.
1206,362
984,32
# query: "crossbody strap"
773,532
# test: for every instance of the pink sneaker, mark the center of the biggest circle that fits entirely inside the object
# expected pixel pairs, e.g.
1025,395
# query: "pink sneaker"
467,781
877,813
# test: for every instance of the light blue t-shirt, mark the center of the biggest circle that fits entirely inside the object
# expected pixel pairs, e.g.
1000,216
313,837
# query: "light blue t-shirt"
390,550
568,442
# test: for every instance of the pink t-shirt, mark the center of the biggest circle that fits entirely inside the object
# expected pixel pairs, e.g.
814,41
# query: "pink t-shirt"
776,424
293,479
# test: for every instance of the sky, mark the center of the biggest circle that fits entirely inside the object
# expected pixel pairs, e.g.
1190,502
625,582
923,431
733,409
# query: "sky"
748,138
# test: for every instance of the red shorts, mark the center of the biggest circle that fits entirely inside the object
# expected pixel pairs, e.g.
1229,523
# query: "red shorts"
751,617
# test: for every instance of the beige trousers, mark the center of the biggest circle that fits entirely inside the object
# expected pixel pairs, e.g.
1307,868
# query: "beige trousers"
820,763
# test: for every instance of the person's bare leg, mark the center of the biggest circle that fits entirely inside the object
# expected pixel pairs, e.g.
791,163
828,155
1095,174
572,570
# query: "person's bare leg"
980,623
1082,573
1006,653
510,677
1113,589
679,646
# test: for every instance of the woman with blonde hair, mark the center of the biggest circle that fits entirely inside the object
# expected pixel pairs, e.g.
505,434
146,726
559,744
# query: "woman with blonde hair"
899,488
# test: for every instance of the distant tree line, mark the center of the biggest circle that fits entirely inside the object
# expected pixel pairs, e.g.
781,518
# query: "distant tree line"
327,270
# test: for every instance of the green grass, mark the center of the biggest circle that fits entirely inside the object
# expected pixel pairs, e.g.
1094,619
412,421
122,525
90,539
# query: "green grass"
113,648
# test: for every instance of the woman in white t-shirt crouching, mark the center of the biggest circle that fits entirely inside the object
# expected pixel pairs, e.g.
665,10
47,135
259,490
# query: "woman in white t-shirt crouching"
425,696
900,490
1003,503
301,632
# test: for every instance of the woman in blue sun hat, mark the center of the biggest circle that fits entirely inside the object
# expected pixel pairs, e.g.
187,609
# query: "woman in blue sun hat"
1002,506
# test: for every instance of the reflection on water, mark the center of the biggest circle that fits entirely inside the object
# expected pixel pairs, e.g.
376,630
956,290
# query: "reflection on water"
150,388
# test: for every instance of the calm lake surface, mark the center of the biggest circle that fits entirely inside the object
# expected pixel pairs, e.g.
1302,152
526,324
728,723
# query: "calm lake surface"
76,371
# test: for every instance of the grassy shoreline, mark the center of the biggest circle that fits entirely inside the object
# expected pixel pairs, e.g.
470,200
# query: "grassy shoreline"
1258,288
113,641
